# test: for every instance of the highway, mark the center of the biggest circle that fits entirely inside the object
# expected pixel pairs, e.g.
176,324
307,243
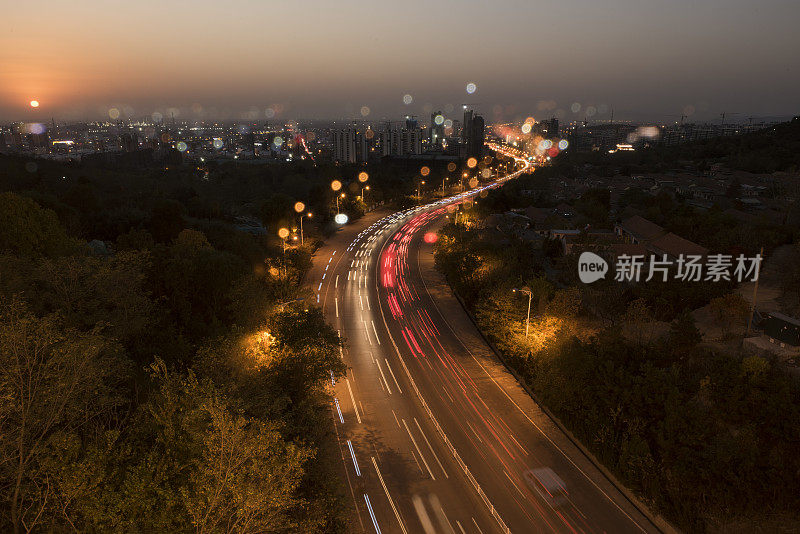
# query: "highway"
435,435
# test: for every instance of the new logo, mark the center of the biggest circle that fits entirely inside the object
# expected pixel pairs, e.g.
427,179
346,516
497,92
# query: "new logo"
591,267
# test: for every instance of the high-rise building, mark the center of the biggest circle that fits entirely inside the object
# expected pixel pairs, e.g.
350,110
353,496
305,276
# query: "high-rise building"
472,134
437,129
344,145
350,145
401,141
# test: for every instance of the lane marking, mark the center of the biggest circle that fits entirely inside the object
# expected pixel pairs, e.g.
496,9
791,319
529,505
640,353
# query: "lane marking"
431,448
353,399
394,377
341,419
353,455
372,515
424,461
378,339
386,490
384,377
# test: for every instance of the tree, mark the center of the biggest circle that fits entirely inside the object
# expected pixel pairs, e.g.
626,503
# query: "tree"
242,476
52,380
683,333
166,220
29,230
730,310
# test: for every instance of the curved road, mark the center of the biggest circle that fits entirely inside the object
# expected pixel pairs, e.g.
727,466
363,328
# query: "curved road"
435,434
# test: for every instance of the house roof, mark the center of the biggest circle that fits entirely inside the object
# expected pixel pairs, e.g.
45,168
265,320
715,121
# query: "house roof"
641,228
675,245
630,249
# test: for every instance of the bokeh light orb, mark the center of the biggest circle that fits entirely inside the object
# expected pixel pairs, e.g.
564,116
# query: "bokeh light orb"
283,233
438,119
364,111
278,141
218,143
113,113
407,99
563,144
34,103
473,182
451,166
431,237
471,87
526,128
424,171
299,206
336,185
341,218
471,162
181,146
363,177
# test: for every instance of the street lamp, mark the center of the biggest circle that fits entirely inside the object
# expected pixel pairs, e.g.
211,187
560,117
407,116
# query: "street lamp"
298,208
309,214
283,233
419,190
528,292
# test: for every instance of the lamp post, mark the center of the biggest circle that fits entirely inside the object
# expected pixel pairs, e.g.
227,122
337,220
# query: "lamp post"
309,215
336,185
528,292
363,177
283,233
337,202
298,208
419,191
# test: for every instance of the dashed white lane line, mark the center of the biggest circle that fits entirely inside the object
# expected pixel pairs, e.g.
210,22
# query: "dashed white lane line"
378,339
385,489
339,410
353,455
372,514
431,448
352,398
424,461
394,377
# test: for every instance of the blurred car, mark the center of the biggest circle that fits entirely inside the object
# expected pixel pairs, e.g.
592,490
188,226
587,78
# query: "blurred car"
547,484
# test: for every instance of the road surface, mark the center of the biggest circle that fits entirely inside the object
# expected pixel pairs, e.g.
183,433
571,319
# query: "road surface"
435,435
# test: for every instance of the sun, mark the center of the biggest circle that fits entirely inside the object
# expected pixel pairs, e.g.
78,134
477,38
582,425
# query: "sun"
34,103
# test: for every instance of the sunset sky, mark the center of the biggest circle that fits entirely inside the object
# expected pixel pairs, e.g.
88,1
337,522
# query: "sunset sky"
328,59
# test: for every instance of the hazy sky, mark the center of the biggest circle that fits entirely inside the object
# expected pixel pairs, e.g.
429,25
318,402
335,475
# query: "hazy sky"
328,59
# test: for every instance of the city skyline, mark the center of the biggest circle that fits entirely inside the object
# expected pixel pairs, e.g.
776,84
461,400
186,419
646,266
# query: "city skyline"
242,61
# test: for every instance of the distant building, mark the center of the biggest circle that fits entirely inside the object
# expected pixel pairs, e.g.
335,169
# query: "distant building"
473,134
655,239
344,145
397,141
437,129
547,128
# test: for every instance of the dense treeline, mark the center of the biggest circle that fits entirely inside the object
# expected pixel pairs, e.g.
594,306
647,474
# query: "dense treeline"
710,439
773,149
155,382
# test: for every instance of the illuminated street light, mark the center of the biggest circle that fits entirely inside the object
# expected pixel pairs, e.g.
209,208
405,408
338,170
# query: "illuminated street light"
528,292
